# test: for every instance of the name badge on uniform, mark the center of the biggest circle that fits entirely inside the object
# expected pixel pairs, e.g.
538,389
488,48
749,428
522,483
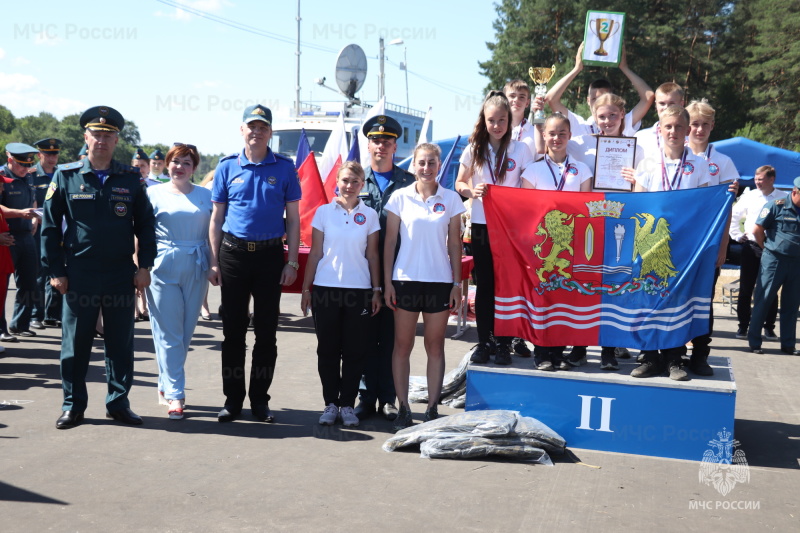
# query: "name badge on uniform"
81,196
118,198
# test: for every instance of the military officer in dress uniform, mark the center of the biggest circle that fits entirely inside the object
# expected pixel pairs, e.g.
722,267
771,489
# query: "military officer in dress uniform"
383,177
778,231
47,306
105,206
142,162
157,165
18,194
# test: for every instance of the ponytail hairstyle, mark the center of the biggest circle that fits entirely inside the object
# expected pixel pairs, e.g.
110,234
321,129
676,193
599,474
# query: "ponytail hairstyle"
480,138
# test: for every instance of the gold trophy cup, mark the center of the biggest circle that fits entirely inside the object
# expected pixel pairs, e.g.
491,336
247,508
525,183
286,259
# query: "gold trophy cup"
540,76
603,29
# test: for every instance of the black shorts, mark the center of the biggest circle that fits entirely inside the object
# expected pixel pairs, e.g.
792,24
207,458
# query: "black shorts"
423,296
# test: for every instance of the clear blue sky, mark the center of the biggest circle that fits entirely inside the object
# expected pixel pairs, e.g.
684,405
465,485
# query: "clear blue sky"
183,77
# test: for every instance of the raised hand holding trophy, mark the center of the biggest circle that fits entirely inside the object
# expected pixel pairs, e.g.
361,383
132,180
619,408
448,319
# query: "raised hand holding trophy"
540,76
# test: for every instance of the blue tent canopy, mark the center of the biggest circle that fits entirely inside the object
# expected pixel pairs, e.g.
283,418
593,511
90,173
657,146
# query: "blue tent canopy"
748,155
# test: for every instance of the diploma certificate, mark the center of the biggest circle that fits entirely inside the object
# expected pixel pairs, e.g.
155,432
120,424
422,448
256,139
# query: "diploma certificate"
613,154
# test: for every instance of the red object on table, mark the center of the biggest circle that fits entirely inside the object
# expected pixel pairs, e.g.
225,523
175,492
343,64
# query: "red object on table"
297,287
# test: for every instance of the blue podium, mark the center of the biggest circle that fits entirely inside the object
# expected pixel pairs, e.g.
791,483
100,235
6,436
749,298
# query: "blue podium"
611,411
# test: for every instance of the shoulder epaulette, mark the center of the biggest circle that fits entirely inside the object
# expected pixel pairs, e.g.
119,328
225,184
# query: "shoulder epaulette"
70,166
130,169
780,201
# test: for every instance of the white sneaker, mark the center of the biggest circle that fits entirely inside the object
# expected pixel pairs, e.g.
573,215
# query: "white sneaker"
329,415
349,417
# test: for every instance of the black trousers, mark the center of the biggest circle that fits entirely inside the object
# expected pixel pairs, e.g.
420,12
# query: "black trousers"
341,319
748,274
244,273
484,291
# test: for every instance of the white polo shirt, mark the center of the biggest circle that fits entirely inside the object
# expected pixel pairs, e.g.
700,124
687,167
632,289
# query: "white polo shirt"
519,158
748,207
587,126
545,174
344,262
647,139
584,149
720,167
524,133
694,174
423,233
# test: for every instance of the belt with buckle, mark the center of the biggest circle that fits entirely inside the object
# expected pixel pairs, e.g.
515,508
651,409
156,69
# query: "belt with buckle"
251,246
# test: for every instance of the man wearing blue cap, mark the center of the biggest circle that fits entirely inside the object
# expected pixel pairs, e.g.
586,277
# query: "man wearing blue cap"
157,165
383,177
777,230
92,263
47,307
18,194
142,162
251,191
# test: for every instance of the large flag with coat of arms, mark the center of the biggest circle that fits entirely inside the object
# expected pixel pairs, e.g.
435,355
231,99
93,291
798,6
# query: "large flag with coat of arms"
629,270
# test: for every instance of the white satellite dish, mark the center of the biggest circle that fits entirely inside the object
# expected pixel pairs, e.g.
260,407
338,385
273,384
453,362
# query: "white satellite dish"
351,69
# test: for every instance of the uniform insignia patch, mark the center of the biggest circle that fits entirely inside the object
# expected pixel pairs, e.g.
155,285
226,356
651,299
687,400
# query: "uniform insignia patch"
438,208
237,180
51,189
764,212
120,209
359,218
272,180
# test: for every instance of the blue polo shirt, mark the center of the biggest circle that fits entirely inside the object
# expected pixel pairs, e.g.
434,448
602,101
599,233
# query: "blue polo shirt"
255,194
17,195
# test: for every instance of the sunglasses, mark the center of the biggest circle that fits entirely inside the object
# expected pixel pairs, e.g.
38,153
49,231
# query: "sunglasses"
189,146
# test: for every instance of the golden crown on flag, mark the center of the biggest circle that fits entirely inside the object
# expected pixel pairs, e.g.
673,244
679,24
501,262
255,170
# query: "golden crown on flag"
605,208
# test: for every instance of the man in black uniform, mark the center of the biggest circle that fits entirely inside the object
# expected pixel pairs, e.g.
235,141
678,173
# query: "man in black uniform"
105,206
383,177
47,306
18,194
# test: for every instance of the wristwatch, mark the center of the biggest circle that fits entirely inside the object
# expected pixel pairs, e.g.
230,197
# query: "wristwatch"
294,264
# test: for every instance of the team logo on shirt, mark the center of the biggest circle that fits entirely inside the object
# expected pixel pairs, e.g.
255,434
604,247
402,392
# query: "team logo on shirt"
438,208
359,218
688,168
272,180
713,169
572,170
511,164
120,209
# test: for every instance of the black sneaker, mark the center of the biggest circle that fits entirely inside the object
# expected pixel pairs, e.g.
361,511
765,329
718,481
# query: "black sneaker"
503,355
431,413
676,372
520,348
741,333
403,419
647,369
769,334
577,356
607,360
622,353
481,354
699,366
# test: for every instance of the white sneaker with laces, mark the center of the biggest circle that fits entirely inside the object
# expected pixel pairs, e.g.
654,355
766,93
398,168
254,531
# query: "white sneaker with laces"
349,417
329,415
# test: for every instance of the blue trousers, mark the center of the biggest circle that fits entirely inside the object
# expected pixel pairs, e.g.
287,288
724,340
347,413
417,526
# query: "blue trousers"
26,268
777,271
177,288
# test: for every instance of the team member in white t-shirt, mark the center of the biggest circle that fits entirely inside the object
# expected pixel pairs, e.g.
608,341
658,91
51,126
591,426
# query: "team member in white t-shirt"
344,267
667,94
720,170
492,158
608,113
580,126
522,130
426,275
556,171
673,168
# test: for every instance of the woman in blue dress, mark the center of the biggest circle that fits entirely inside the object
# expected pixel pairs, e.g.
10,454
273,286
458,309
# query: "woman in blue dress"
179,281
